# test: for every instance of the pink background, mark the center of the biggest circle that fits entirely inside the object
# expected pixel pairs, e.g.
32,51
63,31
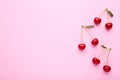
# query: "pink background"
39,38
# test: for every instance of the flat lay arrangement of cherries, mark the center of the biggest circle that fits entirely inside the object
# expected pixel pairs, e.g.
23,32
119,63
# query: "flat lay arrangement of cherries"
95,41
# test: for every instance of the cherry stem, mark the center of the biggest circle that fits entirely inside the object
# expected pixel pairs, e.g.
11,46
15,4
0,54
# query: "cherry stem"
103,46
102,12
109,50
88,33
101,54
107,16
81,33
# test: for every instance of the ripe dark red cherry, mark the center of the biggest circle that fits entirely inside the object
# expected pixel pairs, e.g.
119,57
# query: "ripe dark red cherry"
95,41
81,46
97,20
108,25
96,61
106,68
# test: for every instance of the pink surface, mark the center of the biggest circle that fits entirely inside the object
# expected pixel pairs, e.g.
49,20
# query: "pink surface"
39,38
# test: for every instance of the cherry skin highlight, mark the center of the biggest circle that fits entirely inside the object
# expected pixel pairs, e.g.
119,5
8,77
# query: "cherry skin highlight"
108,25
95,41
96,61
106,68
82,46
97,20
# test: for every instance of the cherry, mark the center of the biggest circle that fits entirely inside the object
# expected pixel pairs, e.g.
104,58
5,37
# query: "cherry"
108,25
97,20
106,68
82,46
95,41
96,61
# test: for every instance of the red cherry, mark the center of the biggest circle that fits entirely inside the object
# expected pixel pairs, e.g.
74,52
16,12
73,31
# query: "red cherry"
97,20
96,61
106,68
81,46
95,41
108,25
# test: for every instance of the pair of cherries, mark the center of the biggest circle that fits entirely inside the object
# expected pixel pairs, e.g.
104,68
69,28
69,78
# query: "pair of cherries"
98,20
96,61
95,41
